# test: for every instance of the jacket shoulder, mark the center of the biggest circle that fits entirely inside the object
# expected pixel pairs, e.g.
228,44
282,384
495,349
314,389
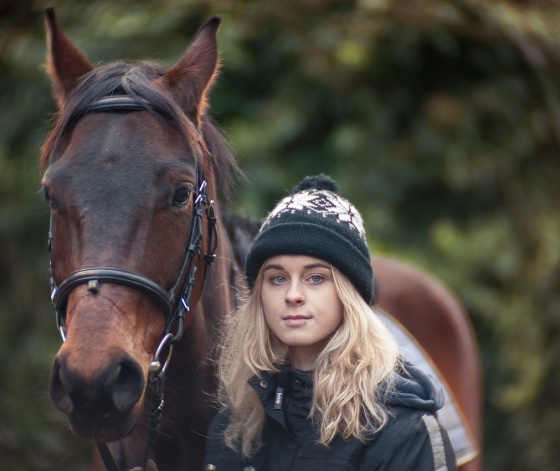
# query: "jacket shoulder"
413,440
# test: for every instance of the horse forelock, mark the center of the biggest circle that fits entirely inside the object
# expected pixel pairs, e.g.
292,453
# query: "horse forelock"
136,81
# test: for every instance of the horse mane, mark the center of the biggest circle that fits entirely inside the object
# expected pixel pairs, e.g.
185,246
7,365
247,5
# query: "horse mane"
241,231
134,80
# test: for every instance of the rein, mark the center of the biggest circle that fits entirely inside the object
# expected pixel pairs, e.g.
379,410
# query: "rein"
175,301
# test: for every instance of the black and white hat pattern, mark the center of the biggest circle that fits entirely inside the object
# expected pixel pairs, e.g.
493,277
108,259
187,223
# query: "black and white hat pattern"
324,203
316,221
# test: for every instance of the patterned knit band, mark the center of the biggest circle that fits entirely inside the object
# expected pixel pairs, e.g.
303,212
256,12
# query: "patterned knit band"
315,221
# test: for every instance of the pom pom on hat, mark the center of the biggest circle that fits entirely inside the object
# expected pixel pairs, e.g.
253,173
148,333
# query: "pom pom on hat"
318,182
315,221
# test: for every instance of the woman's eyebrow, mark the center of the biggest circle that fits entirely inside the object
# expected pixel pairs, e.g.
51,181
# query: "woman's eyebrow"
309,266
274,266
317,265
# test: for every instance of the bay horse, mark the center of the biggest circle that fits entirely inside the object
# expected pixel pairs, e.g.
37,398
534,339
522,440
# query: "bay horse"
129,171
141,270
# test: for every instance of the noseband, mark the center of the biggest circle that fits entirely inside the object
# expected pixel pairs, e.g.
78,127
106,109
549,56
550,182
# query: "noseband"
175,301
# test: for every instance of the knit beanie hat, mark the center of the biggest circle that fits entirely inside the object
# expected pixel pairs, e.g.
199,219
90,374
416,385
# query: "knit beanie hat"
315,221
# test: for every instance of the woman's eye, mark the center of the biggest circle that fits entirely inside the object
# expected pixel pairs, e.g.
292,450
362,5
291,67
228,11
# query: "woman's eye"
278,279
182,195
316,278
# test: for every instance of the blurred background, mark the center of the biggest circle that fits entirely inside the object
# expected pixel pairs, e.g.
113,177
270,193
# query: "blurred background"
440,119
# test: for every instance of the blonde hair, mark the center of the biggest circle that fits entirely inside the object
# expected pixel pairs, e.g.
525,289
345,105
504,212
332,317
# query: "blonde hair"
351,376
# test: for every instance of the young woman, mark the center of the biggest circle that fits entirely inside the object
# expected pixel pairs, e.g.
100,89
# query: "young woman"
310,378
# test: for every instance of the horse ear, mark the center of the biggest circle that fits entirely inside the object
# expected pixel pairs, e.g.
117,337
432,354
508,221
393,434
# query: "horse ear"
65,63
190,80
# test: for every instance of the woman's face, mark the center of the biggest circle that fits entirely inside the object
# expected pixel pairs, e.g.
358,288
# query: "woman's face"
301,305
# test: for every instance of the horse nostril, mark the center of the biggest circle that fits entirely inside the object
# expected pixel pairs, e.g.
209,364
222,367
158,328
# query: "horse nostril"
125,384
57,390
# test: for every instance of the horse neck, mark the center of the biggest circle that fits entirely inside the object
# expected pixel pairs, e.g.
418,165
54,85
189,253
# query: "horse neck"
190,382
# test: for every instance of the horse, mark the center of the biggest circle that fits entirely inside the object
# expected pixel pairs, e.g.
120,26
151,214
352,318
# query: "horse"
130,172
143,261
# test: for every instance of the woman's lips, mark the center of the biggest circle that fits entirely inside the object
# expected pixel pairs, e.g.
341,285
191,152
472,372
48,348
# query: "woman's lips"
294,321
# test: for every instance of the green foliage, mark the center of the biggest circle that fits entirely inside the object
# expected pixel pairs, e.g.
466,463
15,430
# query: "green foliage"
439,119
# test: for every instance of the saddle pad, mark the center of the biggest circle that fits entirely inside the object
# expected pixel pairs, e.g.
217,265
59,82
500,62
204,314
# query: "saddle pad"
449,416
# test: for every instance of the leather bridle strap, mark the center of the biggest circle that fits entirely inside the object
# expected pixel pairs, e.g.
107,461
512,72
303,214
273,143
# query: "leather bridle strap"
119,103
94,276
106,456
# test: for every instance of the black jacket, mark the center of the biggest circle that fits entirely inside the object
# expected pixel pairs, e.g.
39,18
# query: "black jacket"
412,440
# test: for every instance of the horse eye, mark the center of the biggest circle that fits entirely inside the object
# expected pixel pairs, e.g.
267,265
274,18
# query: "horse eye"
48,198
182,195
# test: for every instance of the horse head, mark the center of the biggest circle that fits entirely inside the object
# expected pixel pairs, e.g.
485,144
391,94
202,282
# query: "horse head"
129,172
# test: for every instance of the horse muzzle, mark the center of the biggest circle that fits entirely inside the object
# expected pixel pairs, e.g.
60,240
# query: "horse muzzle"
103,406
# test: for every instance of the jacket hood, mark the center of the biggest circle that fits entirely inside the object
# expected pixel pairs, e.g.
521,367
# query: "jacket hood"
416,390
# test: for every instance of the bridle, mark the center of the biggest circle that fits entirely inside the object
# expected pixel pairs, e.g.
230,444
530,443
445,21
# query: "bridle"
175,300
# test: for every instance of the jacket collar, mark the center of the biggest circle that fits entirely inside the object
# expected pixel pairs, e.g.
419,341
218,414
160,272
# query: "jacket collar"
287,382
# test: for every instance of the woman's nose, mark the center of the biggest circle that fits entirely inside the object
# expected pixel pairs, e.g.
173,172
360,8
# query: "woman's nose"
294,294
